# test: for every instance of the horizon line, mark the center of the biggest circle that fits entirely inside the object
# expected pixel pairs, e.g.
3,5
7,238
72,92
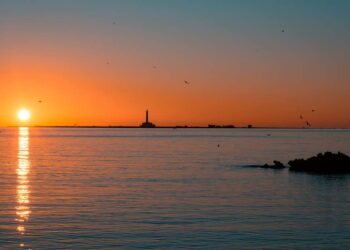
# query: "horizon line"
174,127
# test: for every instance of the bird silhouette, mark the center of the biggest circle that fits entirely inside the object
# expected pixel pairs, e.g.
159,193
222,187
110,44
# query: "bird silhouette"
40,101
301,117
313,110
308,124
186,82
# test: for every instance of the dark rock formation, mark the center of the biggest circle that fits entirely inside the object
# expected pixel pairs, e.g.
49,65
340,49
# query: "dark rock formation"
327,163
276,165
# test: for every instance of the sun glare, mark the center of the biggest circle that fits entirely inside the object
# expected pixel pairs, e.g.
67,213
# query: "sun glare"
23,115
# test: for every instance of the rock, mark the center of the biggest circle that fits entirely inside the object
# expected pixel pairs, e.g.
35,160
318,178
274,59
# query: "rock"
327,163
276,165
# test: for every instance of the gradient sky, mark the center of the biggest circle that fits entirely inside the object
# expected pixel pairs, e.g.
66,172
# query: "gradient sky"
242,68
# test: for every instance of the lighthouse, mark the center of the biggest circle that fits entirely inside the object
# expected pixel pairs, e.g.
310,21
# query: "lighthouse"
147,123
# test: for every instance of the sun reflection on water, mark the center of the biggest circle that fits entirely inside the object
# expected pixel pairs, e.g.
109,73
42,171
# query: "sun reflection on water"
23,193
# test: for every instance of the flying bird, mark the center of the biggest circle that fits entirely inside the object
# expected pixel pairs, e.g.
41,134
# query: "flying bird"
313,110
186,82
301,117
308,124
40,101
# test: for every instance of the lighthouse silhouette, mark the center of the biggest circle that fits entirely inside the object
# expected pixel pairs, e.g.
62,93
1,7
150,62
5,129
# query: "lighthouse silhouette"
147,123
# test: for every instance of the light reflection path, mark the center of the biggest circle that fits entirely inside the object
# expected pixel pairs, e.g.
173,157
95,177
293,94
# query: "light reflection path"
23,193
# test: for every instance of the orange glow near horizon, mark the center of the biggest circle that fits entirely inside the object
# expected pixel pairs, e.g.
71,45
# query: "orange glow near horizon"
176,105
113,97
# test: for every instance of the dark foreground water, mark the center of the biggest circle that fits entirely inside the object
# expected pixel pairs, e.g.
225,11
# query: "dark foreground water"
168,189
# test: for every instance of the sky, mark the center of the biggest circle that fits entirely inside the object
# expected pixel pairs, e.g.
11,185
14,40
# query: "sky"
104,62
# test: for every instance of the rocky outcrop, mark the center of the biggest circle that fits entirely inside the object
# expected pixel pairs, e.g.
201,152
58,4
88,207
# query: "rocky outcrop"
323,163
275,165
327,163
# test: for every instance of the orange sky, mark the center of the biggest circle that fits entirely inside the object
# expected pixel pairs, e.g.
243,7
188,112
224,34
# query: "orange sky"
88,71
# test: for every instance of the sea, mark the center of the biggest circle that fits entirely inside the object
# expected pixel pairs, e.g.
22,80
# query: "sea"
163,188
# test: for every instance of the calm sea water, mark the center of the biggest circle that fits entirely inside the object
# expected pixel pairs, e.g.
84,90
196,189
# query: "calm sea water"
169,189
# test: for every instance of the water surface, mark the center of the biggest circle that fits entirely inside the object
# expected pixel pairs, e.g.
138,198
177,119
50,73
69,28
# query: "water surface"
169,189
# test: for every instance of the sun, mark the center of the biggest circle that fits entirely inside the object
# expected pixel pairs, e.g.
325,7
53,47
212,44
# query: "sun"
23,115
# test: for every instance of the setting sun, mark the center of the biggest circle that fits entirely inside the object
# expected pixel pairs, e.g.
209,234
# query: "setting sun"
23,115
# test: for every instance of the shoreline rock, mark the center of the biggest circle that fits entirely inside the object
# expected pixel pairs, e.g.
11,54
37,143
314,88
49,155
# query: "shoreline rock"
322,163
326,163
275,165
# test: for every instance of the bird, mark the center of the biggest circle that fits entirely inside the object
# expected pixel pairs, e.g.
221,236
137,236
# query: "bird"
283,30
301,117
218,145
308,124
186,82
40,101
313,110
